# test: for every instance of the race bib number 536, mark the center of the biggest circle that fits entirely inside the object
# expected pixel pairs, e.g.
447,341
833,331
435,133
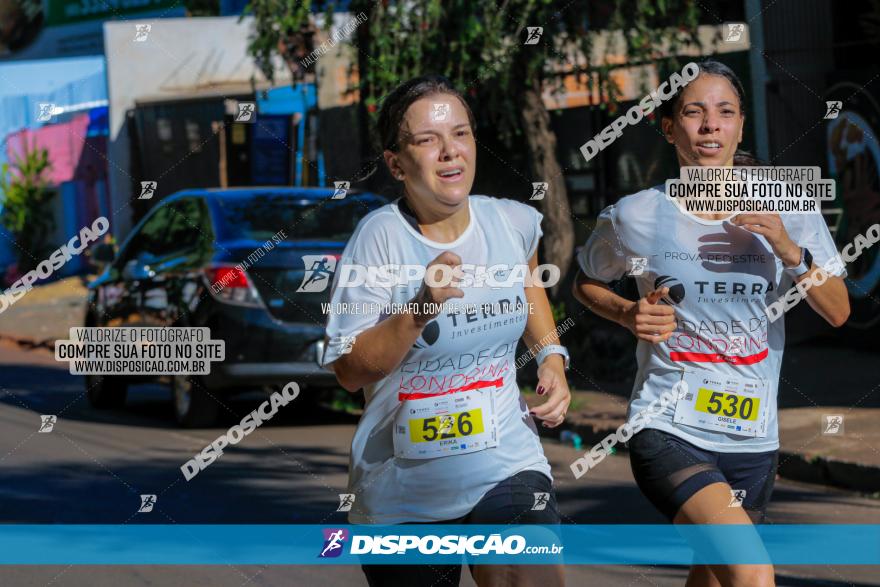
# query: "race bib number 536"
447,426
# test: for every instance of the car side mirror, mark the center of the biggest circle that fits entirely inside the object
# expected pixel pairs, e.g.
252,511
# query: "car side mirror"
103,253
137,270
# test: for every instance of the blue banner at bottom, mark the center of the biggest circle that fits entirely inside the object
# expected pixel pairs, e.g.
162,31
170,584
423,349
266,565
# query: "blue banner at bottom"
437,543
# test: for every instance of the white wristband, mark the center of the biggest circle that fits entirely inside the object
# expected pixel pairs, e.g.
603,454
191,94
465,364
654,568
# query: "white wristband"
553,349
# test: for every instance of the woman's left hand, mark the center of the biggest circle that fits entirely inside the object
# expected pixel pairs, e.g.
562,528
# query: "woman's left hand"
770,226
553,386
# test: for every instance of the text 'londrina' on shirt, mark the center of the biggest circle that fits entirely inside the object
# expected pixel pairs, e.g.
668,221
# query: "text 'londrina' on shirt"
449,420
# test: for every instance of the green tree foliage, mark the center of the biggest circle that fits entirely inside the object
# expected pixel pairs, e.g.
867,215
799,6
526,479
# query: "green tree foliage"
481,47
202,7
284,28
26,205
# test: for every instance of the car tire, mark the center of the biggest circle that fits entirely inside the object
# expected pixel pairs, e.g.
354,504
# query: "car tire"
194,407
106,391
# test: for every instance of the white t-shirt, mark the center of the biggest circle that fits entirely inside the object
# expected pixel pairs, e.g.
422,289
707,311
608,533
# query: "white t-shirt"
721,279
454,350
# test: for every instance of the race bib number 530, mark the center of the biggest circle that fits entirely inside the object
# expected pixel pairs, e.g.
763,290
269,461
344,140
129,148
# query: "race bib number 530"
736,405
731,405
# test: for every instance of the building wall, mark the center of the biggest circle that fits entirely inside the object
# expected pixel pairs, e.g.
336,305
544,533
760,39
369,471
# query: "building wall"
799,56
77,176
180,57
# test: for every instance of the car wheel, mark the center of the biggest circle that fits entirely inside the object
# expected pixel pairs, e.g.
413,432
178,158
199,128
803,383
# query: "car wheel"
193,405
106,391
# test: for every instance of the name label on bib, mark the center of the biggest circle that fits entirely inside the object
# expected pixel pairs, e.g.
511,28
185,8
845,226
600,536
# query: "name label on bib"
446,425
719,403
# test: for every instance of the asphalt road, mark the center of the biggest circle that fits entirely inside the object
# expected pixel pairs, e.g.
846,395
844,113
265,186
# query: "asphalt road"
95,464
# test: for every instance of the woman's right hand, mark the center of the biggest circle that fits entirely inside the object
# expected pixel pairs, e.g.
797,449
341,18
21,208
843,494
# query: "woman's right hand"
430,297
649,320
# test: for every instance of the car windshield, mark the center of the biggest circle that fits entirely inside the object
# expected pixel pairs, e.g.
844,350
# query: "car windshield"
259,217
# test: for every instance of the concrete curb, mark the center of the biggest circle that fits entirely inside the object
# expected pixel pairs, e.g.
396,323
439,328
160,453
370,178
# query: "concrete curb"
48,343
833,472
793,466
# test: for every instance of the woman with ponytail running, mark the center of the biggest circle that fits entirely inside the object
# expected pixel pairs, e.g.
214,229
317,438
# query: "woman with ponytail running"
710,457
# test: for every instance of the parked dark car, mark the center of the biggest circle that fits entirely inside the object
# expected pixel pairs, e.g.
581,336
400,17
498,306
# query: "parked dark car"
164,272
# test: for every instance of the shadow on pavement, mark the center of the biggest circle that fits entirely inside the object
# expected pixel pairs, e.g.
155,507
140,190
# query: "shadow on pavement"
50,390
291,489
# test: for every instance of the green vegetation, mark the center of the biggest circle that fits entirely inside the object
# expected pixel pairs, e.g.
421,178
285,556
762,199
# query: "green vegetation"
26,199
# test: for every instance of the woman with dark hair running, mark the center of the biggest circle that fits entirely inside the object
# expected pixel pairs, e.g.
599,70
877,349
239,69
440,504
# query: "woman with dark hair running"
445,436
710,457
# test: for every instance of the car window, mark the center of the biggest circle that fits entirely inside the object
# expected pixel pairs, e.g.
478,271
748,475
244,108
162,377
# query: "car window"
173,228
260,217
185,226
150,238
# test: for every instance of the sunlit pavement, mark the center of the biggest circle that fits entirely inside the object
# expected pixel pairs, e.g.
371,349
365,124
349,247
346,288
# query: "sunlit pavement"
94,465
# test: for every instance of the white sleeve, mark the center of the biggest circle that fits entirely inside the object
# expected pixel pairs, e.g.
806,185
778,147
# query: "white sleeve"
526,224
355,309
603,258
815,236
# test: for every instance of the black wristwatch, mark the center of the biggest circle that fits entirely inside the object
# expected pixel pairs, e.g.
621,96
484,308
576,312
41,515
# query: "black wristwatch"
803,266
